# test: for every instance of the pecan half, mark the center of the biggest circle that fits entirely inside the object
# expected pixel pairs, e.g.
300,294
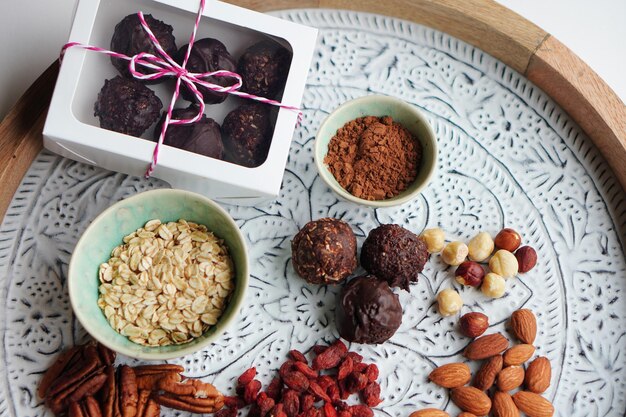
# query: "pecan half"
151,382
127,391
107,356
190,403
189,387
109,393
87,408
158,369
74,374
55,370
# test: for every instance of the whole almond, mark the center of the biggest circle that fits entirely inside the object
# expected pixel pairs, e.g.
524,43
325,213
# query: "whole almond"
472,400
466,414
486,346
429,412
538,375
518,354
503,405
534,405
451,375
510,378
524,325
486,375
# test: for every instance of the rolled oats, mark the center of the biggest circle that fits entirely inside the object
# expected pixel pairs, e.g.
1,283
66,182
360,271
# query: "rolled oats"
167,284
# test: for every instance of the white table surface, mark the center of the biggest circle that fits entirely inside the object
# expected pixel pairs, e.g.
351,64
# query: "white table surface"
33,32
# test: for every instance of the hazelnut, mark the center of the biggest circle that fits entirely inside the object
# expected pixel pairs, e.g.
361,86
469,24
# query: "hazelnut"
449,301
480,247
504,263
526,258
469,273
493,285
454,253
435,239
473,324
508,239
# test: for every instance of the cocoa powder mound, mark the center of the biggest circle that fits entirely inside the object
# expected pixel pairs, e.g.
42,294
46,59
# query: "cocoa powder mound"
374,158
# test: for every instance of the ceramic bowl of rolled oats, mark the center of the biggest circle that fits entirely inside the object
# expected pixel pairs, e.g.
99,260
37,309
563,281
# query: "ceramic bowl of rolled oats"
159,275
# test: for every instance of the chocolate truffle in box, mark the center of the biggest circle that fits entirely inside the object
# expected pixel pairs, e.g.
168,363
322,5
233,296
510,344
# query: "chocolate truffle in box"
368,311
264,68
324,251
130,38
394,254
207,55
203,137
126,105
248,134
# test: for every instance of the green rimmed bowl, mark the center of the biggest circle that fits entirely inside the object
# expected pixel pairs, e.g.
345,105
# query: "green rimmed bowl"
378,105
124,217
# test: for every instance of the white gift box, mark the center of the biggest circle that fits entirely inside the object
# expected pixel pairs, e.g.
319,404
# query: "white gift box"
73,131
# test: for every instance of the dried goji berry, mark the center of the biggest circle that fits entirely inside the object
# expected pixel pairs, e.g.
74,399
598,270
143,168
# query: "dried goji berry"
312,412
285,368
355,382
325,381
291,402
318,391
305,369
251,391
345,414
297,356
233,402
265,403
279,411
371,395
246,377
371,372
306,402
341,406
329,410
254,411
344,393
356,358
346,367
296,380
360,410
360,367
317,349
274,388
331,357
226,412
333,392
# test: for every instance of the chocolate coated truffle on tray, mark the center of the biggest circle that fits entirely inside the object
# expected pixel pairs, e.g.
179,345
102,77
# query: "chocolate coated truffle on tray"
324,251
130,38
264,68
207,55
127,106
394,254
367,311
247,134
203,137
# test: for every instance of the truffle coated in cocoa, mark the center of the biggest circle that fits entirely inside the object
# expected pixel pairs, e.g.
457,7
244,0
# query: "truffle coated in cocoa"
324,251
247,134
130,38
394,254
263,68
207,55
203,137
368,311
127,106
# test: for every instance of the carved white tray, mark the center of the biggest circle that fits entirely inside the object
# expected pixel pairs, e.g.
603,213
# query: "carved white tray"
508,157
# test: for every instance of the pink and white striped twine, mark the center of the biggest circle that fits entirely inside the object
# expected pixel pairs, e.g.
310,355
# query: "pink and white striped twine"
165,66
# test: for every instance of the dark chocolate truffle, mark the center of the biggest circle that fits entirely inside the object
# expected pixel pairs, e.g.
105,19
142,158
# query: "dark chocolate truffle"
127,106
203,137
324,251
264,67
207,55
130,38
368,311
394,254
247,134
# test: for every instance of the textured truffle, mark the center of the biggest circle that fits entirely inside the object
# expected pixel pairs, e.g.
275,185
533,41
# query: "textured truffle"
324,251
203,137
127,106
368,311
130,38
247,134
394,254
264,67
207,55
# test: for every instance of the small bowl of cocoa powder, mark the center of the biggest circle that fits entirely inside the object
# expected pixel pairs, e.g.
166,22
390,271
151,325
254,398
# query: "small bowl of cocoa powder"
376,150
